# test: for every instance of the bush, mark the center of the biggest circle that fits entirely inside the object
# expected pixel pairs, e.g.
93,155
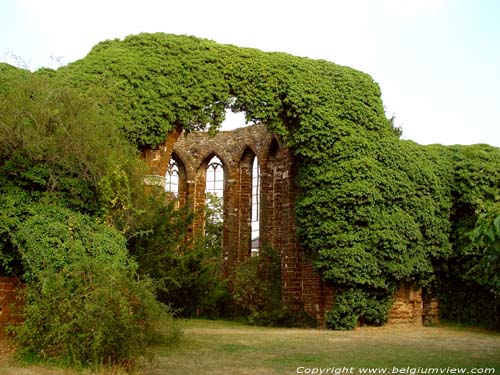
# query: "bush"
56,142
355,306
68,184
473,267
185,271
84,301
256,293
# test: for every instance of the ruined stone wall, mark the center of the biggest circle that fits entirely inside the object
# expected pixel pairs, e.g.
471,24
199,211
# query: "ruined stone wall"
407,307
9,293
302,287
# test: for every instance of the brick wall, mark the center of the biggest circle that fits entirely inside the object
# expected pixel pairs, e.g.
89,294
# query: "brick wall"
302,287
407,307
317,296
237,150
8,299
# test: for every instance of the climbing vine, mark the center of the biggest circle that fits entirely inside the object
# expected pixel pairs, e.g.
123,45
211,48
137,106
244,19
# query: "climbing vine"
373,210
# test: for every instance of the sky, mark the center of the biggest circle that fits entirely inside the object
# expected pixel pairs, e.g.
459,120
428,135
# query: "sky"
437,61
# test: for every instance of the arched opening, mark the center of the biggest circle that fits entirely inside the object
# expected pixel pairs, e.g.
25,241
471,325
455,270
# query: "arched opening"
255,221
214,206
172,178
176,179
214,191
215,178
249,205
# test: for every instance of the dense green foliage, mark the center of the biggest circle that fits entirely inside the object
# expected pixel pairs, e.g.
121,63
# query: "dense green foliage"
472,268
68,189
256,293
56,144
56,147
487,236
84,303
185,270
373,210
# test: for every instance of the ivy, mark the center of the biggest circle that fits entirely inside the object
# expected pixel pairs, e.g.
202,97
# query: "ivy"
373,210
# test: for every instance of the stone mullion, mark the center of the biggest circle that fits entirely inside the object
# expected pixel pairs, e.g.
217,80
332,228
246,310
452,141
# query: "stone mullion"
199,199
245,218
266,209
230,233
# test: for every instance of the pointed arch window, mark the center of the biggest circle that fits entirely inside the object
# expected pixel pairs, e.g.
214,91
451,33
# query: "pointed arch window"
172,178
255,222
214,188
215,177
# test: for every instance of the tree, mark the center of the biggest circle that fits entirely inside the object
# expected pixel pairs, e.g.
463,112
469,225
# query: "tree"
66,178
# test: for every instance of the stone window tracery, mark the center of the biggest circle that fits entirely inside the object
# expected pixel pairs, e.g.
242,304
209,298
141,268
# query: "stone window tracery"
214,188
215,177
172,178
255,220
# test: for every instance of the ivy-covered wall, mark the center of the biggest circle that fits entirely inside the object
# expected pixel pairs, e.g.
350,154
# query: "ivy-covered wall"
372,210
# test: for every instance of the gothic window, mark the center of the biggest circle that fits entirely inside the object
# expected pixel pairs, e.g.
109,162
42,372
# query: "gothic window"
255,207
215,177
172,178
214,188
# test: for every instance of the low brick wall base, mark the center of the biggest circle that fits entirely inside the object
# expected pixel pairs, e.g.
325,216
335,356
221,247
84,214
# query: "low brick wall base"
414,306
407,307
9,301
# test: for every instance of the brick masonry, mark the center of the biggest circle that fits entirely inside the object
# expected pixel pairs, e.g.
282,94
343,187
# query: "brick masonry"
302,287
9,293
407,307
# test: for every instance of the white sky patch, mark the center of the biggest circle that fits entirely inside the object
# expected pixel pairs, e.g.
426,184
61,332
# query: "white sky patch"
234,121
412,9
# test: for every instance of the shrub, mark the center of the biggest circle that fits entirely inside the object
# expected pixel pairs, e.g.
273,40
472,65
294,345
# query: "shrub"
185,271
54,141
256,293
84,301
354,306
472,269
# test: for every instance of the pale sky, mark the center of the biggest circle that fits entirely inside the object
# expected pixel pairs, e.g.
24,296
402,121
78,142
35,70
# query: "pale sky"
436,61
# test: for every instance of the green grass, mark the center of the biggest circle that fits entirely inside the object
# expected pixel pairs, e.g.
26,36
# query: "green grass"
215,347
220,347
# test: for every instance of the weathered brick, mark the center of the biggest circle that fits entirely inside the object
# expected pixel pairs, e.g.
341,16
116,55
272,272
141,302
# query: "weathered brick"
302,287
9,297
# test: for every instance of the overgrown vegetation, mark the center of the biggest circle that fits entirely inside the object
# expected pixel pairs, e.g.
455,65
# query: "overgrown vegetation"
84,303
373,210
256,293
68,186
472,268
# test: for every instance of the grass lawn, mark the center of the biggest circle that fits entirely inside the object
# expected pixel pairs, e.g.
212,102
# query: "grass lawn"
215,347
219,347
